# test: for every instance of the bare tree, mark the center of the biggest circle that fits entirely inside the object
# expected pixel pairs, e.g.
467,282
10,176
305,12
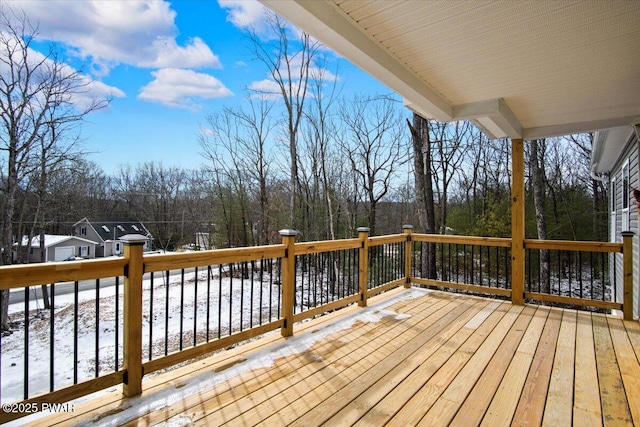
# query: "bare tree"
255,125
225,149
538,180
376,148
38,93
448,143
289,64
318,136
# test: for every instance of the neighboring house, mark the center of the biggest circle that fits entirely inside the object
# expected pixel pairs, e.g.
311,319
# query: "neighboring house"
614,160
108,231
60,248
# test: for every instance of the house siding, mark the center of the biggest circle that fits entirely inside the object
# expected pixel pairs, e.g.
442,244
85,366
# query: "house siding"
628,158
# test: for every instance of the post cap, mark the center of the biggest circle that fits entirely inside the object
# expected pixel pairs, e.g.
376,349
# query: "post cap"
288,232
363,229
407,227
628,234
134,239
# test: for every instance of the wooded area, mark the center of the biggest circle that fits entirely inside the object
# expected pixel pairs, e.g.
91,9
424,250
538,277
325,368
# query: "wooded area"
304,156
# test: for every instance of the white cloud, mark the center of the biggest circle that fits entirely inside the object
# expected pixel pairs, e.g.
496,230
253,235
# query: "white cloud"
246,14
180,88
139,33
266,88
82,91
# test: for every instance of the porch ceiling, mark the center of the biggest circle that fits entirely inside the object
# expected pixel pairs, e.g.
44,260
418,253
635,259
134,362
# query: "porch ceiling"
521,69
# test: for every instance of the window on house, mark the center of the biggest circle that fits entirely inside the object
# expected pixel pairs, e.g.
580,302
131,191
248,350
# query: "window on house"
626,191
84,250
83,231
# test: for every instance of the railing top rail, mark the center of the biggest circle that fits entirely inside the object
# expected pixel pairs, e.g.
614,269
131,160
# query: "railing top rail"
303,248
21,275
465,240
391,238
571,245
164,262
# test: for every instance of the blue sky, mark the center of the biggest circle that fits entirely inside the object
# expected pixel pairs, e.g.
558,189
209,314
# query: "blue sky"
167,64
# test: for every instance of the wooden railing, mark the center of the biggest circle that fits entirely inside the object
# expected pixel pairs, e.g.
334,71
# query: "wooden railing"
310,278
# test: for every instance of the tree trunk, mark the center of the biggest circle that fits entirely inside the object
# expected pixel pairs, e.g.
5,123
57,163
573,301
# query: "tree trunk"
538,181
424,188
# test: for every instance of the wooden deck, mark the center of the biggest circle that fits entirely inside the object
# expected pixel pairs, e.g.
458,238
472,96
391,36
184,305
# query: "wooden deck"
412,357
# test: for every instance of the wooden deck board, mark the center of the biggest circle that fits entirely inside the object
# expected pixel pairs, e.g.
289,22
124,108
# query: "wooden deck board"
406,405
586,406
431,359
476,404
530,409
438,348
330,377
615,407
505,401
558,410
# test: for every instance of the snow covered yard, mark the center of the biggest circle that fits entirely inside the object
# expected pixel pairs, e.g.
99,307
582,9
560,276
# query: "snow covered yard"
204,306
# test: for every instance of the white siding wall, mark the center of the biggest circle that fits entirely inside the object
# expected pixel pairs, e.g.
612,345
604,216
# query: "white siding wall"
628,159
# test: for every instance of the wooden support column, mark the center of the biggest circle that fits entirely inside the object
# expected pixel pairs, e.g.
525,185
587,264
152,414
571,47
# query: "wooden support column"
408,255
627,278
517,222
363,265
132,309
288,280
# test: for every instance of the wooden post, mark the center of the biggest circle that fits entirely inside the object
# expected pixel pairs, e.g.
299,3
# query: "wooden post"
408,254
627,271
363,265
288,280
517,222
132,326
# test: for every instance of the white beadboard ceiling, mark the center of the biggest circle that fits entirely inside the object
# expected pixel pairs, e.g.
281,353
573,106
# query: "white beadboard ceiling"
527,69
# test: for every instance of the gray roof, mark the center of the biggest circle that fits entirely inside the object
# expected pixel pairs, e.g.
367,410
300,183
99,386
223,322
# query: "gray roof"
114,228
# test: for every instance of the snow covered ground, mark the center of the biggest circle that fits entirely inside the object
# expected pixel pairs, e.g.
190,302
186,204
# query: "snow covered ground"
180,311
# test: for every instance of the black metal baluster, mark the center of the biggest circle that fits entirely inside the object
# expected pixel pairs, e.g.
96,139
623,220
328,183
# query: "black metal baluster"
181,306
26,344
75,331
251,294
151,315
219,300
480,265
52,319
117,351
270,263
195,308
242,267
97,346
166,314
208,299
279,262
457,264
570,290
473,262
261,278
592,272
230,297
580,272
